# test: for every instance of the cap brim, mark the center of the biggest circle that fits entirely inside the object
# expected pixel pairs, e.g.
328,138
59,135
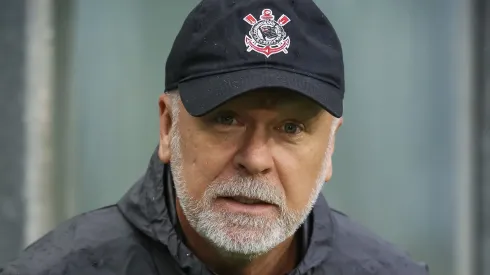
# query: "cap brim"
202,95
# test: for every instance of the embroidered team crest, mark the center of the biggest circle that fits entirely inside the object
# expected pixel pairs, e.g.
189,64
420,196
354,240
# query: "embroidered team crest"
267,36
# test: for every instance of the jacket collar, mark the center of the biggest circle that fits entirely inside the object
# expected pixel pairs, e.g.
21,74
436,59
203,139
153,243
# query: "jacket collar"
150,207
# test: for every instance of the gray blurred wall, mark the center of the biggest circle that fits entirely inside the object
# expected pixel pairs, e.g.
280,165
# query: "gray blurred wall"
12,133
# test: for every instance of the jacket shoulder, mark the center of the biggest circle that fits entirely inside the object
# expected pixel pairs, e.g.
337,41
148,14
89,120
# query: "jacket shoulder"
86,244
355,245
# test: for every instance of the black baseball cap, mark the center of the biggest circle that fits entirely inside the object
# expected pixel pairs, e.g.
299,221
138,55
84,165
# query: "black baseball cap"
228,47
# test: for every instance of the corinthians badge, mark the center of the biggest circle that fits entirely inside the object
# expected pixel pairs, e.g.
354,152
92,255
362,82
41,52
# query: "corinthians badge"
267,36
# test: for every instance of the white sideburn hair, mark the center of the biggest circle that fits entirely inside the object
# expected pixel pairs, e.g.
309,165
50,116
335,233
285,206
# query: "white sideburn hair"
174,106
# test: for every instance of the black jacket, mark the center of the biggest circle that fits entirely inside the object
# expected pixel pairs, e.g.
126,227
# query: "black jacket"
141,236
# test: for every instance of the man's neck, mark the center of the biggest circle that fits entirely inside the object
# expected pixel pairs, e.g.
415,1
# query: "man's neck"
280,260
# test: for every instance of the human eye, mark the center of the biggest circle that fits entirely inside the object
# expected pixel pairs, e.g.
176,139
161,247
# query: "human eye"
225,119
292,128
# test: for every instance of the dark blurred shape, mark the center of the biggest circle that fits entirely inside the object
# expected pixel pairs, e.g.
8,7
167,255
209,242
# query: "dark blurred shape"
12,91
482,121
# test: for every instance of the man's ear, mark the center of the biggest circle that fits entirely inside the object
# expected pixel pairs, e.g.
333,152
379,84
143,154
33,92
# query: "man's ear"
339,123
328,176
165,116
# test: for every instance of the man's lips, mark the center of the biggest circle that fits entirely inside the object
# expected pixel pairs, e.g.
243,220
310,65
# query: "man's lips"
246,205
246,200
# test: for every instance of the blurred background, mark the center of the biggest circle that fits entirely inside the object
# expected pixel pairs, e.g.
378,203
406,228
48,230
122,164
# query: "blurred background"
79,83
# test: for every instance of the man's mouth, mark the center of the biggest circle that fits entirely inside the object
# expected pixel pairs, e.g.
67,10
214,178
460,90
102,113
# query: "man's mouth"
246,200
252,206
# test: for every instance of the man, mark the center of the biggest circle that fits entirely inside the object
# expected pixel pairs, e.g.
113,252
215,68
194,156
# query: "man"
253,100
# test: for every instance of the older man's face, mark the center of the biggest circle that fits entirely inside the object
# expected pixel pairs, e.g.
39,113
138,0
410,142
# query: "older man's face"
248,174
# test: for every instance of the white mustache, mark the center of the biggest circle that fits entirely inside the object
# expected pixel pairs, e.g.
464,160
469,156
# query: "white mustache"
248,188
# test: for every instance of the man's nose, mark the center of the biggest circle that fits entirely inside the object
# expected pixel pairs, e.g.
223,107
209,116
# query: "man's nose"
254,156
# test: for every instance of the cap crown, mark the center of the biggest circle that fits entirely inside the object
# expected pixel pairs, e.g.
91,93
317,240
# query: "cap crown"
220,36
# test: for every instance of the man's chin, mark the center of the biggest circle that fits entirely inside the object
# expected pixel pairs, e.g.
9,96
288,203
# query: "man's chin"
244,241
242,250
